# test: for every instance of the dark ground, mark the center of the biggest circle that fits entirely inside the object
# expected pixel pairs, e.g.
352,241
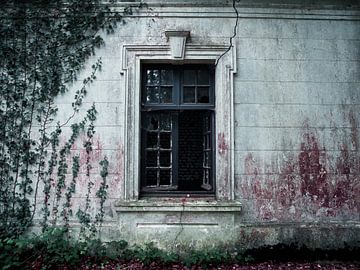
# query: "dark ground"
135,265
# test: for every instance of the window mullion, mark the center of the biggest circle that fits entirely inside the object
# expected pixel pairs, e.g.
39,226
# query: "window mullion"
177,87
175,148
175,127
158,157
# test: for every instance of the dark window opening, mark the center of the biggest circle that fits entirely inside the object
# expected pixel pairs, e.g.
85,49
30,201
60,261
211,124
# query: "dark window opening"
177,124
193,164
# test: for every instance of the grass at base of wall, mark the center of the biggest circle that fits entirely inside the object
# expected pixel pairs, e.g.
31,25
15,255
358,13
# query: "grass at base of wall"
55,249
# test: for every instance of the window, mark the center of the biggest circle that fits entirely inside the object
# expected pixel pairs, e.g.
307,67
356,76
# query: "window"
177,129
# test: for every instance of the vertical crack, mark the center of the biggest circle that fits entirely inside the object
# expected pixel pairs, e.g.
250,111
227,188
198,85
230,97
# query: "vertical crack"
234,32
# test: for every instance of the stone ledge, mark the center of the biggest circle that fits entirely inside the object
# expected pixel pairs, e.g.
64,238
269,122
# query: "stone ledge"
175,206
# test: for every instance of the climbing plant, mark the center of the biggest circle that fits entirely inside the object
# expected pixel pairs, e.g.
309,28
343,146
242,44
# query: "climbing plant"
43,46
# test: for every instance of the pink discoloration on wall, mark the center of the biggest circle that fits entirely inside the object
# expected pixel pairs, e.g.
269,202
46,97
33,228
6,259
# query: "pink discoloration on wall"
120,160
115,169
115,183
306,188
223,147
95,156
343,161
251,167
223,173
287,192
312,172
346,190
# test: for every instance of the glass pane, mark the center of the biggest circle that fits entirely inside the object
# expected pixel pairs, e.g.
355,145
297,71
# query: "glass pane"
189,76
165,159
203,76
151,177
203,94
151,158
151,139
165,177
189,95
165,122
165,140
152,94
166,77
166,95
152,77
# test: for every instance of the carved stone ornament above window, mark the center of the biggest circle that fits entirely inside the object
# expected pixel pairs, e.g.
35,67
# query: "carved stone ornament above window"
177,41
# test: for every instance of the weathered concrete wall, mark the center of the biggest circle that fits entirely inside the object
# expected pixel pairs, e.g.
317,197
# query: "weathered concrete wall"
296,119
297,125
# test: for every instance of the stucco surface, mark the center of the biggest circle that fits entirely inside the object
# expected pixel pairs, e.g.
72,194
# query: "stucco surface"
296,125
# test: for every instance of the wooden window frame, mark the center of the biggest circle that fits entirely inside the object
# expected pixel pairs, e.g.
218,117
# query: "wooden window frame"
173,109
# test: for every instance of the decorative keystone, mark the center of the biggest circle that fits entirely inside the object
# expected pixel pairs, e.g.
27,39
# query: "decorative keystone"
177,40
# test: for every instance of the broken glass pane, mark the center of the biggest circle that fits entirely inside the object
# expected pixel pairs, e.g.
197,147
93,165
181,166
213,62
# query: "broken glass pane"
203,94
152,94
165,177
189,95
166,94
189,77
152,77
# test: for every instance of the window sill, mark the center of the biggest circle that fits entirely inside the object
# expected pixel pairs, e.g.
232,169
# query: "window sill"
178,205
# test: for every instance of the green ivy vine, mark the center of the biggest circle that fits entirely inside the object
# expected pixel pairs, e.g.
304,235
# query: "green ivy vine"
43,46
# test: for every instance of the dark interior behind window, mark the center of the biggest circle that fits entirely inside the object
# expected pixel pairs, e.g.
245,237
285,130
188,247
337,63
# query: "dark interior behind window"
177,126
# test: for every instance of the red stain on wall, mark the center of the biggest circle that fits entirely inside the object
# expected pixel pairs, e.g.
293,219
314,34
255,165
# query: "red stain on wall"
305,187
251,166
116,166
312,171
286,190
346,190
223,147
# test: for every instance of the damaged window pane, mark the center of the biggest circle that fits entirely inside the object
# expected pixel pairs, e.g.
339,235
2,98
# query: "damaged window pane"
153,77
152,94
166,94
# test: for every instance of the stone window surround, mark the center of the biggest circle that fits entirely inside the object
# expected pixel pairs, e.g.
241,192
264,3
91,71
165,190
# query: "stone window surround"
133,56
